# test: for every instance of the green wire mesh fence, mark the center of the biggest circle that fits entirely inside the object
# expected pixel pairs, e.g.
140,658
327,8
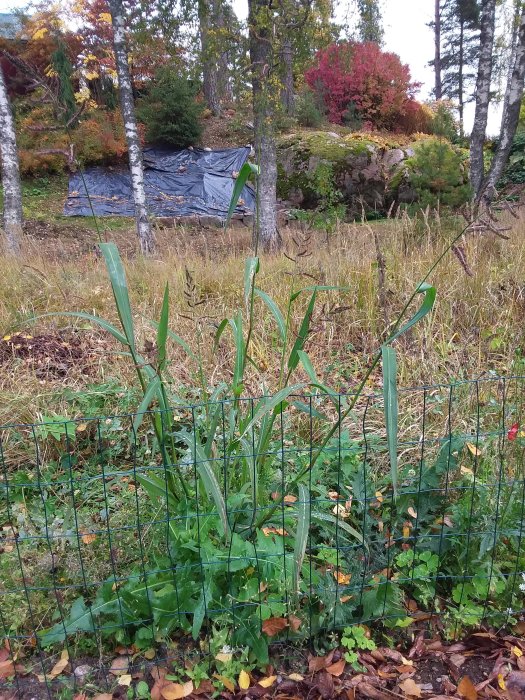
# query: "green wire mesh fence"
236,529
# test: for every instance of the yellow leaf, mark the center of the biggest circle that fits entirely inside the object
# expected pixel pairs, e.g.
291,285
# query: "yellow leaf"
344,579
88,537
224,658
473,449
176,691
406,532
6,338
39,34
290,499
105,17
244,680
501,682
58,667
268,682
227,683
81,427
466,470
149,654
125,679
296,677
379,496
410,688
517,652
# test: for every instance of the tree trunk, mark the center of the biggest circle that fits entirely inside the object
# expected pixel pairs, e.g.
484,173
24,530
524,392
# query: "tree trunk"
477,138
12,219
461,89
438,86
511,114
260,20
208,20
288,86
127,106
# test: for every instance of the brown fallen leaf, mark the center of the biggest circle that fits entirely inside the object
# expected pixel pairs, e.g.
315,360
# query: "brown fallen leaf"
274,625
176,691
267,531
368,691
410,688
225,681
294,622
515,683
205,687
103,696
119,665
317,663
267,682
7,668
467,689
290,499
325,685
337,668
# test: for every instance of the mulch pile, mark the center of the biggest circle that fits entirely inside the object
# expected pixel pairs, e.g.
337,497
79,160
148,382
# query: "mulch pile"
52,355
485,665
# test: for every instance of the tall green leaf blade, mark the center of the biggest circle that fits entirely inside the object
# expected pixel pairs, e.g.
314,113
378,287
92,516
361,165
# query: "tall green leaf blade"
293,359
240,353
247,170
176,339
268,404
251,268
390,407
301,537
119,286
162,330
428,304
218,333
326,517
274,310
151,391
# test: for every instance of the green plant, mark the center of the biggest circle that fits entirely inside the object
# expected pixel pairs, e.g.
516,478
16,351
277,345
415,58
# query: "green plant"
307,109
170,111
355,639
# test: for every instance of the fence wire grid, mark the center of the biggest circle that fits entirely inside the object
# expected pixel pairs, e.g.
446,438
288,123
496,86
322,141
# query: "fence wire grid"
217,526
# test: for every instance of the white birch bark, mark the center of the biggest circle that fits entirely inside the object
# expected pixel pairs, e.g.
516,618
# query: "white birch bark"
12,217
511,113
477,138
127,106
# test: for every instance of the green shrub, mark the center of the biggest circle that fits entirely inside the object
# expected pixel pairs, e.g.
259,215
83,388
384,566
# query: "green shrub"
438,174
170,111
307,110
515,171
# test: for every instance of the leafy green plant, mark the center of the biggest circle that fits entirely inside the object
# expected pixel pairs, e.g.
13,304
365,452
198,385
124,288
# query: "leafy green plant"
355,639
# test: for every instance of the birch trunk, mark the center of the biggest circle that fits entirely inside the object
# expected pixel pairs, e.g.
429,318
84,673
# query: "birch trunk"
208,20
12,218
461,90
438,86
127,106
260,20
477,138
511,114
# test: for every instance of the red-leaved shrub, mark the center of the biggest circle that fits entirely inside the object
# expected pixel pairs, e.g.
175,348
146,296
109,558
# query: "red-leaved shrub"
358,80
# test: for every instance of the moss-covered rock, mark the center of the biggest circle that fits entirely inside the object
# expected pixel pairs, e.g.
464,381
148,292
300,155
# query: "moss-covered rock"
366,170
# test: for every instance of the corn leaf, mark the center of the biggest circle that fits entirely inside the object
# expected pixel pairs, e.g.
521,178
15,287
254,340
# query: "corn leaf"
97,320
293,359
117,277
151,390
301,536
326,517
162,331
390,407
247,170
428,303
268,403
251,268
274,310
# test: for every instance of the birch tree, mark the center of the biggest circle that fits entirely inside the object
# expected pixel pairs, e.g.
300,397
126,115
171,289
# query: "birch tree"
511,112
485,66
12,218
436,25
261,22
127,106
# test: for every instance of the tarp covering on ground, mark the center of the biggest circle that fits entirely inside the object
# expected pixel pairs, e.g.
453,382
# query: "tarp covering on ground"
192,182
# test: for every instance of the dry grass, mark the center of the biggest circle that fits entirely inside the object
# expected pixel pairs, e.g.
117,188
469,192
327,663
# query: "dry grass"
477,326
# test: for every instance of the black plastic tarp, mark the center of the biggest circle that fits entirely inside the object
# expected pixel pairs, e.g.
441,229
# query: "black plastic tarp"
191,182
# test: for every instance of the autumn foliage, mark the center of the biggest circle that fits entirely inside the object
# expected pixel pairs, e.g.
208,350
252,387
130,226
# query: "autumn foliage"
360,81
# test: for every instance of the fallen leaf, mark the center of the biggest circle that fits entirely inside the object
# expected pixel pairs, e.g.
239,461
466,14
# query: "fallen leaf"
379,496
296,677
410,688
88,537
517,652
318,663
274,625
103,696
342,578
337,668
267,682
125,679
467,689
295,622
406,531
513,432
119,666
7,668
473,449
223,658
267,531
501,681
149,654
290,499
176,691
412,512
227,683
244,680
345,598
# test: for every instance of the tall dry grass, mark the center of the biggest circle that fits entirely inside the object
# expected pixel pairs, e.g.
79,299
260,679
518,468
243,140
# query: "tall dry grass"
476,327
